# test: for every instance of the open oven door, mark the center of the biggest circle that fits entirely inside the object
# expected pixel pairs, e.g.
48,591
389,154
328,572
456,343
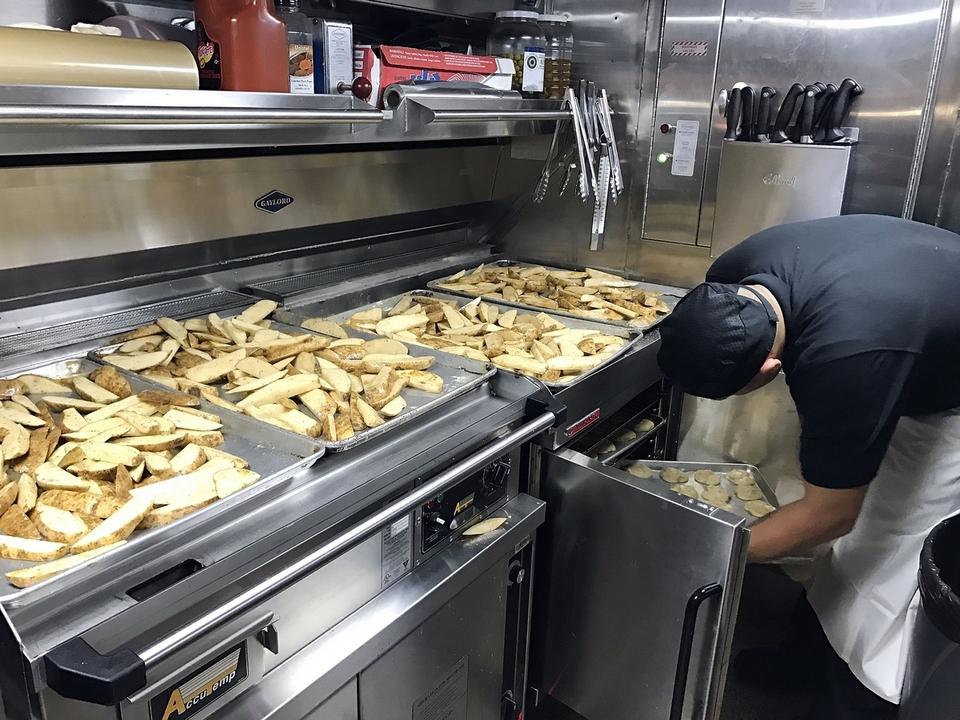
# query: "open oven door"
636,595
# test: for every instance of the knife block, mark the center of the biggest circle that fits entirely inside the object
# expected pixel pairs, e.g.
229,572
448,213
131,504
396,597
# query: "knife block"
765,184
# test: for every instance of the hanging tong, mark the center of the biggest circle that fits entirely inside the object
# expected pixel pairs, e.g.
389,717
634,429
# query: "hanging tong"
544,183
605,115
579,132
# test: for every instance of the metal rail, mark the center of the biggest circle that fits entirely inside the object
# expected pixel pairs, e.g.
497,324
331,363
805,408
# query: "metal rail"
142,115
467,116
289,575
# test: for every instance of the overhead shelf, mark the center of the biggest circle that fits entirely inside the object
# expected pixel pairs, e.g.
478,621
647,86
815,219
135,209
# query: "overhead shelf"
42,120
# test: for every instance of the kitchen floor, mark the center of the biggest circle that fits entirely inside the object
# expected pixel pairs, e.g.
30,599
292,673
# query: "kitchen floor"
766,606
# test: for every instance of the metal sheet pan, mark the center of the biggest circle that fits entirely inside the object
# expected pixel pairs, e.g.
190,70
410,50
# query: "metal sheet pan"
274,453
460,375
632,335
671,295
736,504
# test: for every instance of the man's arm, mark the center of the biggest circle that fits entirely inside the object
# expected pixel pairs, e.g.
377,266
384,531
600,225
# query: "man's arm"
820,516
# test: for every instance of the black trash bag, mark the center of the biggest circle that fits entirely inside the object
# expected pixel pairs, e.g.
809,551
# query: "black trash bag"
940,577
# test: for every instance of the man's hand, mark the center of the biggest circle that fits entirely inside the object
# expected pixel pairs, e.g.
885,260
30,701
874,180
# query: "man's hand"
822,515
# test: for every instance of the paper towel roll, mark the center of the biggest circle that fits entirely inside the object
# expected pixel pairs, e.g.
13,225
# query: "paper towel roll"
40,57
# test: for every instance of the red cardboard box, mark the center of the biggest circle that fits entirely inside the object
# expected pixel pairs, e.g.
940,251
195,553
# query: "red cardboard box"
387,64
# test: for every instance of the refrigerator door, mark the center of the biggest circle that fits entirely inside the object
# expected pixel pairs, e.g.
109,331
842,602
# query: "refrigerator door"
766,184
636,594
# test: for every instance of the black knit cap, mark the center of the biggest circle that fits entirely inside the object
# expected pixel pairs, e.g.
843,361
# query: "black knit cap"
715,340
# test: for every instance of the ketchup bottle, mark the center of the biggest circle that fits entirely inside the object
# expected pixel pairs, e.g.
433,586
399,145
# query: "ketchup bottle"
241,45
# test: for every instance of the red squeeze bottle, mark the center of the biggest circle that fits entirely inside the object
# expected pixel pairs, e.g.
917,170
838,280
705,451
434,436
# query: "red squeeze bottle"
241,45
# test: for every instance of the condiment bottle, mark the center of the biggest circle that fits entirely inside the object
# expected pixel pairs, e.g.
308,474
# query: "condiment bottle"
241,45
299,46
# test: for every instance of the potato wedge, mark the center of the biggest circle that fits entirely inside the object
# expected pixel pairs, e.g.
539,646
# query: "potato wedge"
371,418
154,443
17,548
422,380
94,470
385,346
19,415
28,404
233,480
37,454
123,483
38,573
109,379
75,502
108,411
529,366
40,385
283,388
52,477
59,525
111,453
394,407
89,390
26,492
235,460
8,495
116,527
374,363
399,323
206,438
326,327
258,311
260,382
137,363
318,402
158,465
188,421
217,368
161,398
166,514
576,364
173,328
188,459
16,523
143,425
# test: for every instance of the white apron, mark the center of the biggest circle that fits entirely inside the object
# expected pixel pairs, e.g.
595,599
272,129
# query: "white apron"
865,589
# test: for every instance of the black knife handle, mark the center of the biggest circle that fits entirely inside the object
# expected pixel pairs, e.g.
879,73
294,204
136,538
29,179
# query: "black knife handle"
748,101
823,102
779,133
848,90
733,114
763,114
687,632
805,119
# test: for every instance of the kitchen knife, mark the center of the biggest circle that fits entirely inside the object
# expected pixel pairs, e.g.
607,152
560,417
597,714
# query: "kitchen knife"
779,133
805,119
748,105
832,123
733,114
763,114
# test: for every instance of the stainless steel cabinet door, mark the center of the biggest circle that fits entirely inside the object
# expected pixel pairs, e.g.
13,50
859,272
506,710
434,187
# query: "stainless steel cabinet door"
636,594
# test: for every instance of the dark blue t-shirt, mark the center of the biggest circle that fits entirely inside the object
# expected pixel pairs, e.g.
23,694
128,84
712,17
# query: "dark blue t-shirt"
872,310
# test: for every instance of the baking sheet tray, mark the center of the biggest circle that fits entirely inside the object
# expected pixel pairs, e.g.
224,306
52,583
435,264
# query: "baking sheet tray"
671,295
274,453
624,447
460,375
736,503
632,335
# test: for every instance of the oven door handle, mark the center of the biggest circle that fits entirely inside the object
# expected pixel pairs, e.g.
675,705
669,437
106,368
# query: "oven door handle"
77,670
694,602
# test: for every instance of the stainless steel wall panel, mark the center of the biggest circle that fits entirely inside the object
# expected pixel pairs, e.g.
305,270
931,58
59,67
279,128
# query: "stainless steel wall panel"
887,45
689,42
63,214
938,193
608,48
